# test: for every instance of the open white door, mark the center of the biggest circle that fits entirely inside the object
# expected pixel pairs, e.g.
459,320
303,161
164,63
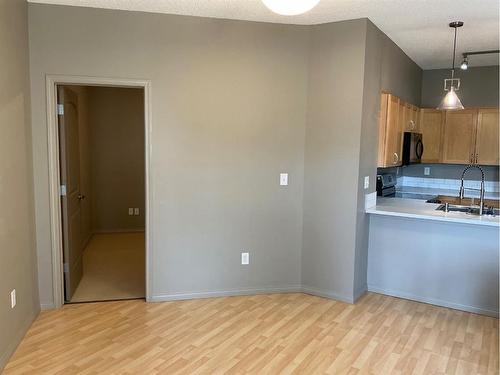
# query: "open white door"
71,195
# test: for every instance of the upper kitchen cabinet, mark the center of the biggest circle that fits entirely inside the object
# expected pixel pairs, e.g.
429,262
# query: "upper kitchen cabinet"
390,131
487,134
431,126
459,136
410,121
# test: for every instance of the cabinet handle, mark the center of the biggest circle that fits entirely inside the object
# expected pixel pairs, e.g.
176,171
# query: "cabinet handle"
395,158
477,157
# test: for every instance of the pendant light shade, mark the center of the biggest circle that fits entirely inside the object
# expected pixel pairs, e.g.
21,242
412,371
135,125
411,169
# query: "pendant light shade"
290,7
451,101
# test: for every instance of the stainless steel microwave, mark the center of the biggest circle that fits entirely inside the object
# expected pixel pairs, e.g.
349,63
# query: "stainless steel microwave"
413,148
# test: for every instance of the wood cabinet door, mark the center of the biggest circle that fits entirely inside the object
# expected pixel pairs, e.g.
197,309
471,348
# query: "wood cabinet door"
393,133
487,148
459,136
411,118
431,125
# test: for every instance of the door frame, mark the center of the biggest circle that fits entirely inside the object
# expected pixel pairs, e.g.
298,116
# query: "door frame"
52,81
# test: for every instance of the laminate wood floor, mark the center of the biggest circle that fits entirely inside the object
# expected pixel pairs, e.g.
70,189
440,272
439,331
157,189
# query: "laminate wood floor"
263,334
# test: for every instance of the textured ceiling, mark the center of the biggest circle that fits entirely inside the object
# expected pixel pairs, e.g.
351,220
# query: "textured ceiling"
419,27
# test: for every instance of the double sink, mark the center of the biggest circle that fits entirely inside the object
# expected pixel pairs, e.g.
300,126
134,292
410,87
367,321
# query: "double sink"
466,205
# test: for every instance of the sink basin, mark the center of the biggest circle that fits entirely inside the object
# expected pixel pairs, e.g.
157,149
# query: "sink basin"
472,210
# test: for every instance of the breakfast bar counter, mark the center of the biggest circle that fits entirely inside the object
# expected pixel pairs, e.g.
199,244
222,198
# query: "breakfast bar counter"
449,259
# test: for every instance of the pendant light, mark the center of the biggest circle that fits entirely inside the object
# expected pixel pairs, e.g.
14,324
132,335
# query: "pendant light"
451,100
290,7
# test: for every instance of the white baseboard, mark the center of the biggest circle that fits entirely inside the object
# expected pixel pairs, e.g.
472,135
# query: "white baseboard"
13,343
326,294
47,306
111,231
224,293
360,292
433,301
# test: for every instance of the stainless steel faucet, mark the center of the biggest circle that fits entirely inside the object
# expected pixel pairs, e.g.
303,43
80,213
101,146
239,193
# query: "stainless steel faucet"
462,188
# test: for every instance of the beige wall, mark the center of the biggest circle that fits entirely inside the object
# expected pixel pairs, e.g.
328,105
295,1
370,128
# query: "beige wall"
17,249
332,157
116,158
228,110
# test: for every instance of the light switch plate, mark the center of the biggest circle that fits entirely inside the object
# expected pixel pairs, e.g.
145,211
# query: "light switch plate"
427,171
130,211
367,182
245,258
283,179
136,211
13,301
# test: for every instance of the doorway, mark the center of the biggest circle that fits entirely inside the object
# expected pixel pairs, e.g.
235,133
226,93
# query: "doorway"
102,180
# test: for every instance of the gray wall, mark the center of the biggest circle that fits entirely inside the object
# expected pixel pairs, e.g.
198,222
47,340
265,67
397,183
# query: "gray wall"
17,248
435,262
386,68
332,157
479,86
228,108
116,119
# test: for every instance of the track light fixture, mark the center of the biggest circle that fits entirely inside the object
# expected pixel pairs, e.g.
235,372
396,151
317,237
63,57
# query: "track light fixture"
465,62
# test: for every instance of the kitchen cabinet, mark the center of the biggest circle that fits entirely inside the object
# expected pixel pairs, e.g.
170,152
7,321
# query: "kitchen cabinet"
431,126
487,135
459,136
410,119
390,131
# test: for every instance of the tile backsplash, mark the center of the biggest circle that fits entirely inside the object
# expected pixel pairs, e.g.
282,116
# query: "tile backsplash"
445,183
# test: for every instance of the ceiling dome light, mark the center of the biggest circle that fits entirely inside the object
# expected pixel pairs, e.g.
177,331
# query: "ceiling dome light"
290,7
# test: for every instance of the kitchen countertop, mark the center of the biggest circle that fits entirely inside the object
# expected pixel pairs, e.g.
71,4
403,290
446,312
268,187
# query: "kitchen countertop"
419,209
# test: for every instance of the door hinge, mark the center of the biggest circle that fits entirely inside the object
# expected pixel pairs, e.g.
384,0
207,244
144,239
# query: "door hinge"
65,267
60,109
62,190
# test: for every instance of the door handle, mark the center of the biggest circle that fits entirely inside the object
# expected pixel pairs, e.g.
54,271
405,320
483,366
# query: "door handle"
477,157
81,197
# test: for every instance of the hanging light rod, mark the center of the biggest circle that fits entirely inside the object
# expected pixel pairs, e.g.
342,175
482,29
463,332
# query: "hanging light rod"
465,61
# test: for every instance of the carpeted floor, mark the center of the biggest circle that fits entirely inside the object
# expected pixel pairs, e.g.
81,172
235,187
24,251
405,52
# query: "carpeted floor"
113,268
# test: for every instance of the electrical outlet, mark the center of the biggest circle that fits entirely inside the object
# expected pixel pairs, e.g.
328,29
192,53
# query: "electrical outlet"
130,211
13,299
427,171
367,182
283,179
245,258
136,211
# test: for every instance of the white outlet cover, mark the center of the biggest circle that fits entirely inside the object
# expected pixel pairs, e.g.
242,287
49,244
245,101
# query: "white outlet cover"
13,301
427,171
283,179
245,258
367,182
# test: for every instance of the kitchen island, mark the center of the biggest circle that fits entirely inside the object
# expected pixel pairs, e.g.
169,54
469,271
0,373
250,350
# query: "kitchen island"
448,259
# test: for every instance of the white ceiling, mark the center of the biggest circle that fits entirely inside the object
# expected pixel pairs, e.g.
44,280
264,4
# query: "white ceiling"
419,27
